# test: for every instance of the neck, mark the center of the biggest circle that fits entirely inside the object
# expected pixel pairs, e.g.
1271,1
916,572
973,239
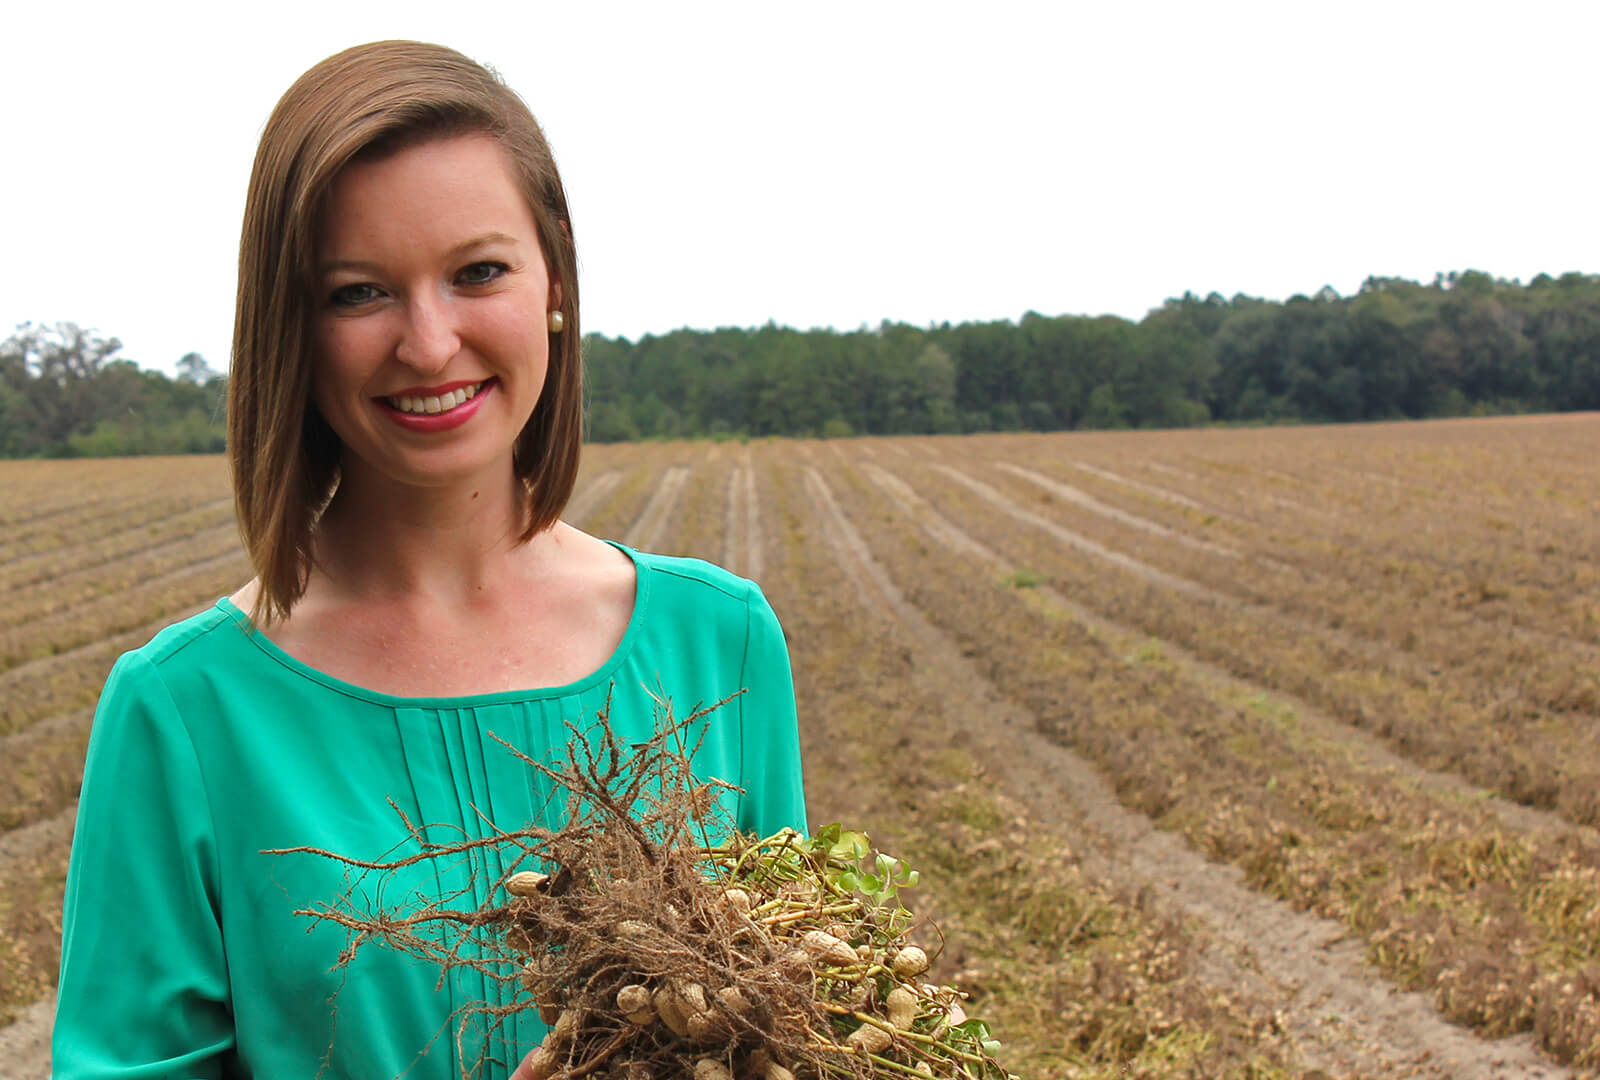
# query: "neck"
446,545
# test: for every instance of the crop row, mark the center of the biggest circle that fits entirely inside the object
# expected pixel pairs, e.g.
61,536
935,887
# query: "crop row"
131,544
38,491
1498,567
1081,978
1498,924
97,556
32,872
1497,574
53,685
1532,559
1451,717
43,608
144,490
221,571
1511,512
1507,491
1407,627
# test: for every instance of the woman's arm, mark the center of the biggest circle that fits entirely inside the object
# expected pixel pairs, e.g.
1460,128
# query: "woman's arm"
144,983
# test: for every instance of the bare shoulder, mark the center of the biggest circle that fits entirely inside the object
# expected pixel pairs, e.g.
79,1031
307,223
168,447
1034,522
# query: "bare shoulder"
593,566
245,598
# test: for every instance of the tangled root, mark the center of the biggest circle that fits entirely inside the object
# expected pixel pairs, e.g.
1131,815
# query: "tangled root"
656,951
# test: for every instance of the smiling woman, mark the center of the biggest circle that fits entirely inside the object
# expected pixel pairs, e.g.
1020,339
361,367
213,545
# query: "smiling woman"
405,298
367,122
405,419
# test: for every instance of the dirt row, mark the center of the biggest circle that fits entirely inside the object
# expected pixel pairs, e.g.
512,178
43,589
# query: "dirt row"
1449,703
1341,833
1305,959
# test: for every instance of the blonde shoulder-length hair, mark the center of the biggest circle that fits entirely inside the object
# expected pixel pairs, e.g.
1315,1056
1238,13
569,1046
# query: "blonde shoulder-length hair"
366,102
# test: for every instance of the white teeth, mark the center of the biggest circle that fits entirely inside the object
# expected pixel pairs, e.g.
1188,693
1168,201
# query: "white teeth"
431,405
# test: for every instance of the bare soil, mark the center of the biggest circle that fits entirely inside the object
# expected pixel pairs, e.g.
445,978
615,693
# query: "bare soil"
646,532
1345,1017
25,1045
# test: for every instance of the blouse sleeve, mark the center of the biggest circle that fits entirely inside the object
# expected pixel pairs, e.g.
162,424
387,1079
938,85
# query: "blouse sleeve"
774,793
144,986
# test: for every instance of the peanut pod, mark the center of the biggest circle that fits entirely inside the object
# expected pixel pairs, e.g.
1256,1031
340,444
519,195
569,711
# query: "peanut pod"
666,1004
633,1001
909,962
902,1006
872,1039
526,883
823,946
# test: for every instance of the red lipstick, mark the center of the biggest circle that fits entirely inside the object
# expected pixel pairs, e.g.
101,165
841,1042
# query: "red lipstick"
427,423
434,391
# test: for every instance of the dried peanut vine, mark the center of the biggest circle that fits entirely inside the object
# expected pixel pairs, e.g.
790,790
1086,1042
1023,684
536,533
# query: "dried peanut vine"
655,953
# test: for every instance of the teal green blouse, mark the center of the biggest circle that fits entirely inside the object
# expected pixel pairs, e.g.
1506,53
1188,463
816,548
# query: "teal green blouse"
181,953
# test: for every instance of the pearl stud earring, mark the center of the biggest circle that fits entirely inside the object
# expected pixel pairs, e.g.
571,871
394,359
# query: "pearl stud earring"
556,322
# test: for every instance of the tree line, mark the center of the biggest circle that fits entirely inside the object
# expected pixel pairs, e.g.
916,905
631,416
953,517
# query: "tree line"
64,392
1464,344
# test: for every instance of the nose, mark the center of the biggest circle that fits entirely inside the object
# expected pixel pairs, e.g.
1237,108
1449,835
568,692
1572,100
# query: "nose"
429,339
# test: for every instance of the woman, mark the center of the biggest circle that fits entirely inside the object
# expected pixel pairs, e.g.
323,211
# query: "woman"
405,415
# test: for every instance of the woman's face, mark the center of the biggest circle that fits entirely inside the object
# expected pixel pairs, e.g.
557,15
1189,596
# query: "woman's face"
432,301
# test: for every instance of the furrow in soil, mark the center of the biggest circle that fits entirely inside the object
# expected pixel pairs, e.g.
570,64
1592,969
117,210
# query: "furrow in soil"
584,502
1070,494
1346,1017
733,539
647,530
1363,745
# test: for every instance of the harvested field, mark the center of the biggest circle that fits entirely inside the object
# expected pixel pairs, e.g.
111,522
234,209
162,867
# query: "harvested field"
1266,753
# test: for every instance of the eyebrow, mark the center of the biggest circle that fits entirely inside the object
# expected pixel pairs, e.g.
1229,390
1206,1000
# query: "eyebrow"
493,237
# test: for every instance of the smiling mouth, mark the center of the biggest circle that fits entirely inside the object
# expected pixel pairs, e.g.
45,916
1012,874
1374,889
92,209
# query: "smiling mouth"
431,404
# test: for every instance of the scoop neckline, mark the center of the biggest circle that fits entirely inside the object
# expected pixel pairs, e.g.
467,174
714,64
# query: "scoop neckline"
641,591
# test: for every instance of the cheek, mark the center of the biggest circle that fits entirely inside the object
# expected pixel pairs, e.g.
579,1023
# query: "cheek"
336,375
523,335
346,354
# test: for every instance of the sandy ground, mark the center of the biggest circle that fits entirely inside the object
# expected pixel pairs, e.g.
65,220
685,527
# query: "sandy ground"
25,1045
1344,1015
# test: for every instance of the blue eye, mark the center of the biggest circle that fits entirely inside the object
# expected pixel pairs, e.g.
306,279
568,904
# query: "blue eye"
482,273
352,295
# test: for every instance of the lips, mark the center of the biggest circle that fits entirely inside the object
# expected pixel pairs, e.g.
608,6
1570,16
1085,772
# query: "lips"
432,409
430,401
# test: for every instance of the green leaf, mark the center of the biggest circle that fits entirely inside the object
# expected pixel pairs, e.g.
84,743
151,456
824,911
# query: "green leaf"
974,1028
850,845
871,884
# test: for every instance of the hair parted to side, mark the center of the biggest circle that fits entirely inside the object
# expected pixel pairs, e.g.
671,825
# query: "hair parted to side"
366,102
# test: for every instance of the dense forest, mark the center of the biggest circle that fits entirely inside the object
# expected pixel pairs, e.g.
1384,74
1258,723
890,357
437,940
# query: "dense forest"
1465,344
64,392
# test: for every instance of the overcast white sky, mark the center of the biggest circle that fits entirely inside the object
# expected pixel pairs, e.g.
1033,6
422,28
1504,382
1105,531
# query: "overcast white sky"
827,164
